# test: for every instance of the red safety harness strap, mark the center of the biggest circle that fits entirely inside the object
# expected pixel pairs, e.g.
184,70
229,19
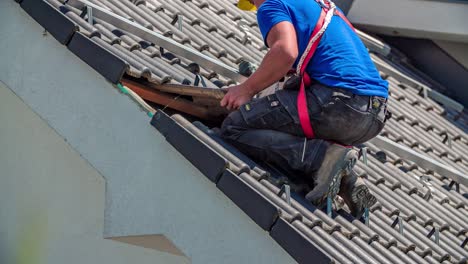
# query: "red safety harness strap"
302,108
306,81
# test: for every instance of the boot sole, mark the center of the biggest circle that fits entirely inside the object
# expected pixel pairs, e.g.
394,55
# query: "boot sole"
362,198
334,186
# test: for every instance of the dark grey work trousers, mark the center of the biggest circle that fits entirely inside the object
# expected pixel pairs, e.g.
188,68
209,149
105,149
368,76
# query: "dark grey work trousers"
268,129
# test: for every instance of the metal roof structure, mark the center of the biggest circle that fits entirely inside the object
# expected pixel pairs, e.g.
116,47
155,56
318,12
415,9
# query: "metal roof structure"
421,215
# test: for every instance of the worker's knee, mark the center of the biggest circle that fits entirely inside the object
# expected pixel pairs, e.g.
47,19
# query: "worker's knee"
233,124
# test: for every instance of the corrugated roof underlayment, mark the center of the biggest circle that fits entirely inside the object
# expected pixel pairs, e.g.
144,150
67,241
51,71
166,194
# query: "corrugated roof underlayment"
420,216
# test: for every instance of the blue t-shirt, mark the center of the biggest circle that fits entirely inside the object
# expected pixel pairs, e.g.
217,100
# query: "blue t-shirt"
341,59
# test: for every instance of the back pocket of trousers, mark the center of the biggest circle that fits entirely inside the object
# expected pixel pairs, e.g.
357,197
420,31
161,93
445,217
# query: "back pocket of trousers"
265,114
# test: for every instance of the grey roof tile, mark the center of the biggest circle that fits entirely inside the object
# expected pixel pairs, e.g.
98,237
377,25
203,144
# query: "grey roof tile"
372,252
411,257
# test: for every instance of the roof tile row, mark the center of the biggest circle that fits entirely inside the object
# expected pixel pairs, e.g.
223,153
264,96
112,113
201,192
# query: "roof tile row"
342,238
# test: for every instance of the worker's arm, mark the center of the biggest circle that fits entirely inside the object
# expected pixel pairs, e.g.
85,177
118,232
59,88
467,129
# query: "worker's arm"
276,64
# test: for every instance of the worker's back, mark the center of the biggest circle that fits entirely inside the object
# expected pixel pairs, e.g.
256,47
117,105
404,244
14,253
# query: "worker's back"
341,59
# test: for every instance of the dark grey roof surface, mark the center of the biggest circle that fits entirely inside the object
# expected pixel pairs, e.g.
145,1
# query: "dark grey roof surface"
422,199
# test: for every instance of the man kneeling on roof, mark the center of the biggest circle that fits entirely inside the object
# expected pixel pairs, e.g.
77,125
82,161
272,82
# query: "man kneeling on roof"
336,99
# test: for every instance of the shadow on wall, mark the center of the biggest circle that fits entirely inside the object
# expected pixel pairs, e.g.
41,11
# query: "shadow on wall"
156,242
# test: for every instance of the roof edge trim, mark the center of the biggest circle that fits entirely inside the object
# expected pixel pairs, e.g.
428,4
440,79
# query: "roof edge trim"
100,59
299,247
206,160
261,210
60,26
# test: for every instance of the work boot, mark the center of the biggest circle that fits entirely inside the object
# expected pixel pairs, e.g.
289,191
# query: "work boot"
338,162
356,194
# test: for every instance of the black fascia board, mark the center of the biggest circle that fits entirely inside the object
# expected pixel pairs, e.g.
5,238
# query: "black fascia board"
207,161
163,123
100,59
54,21
255,205
298,246
252,164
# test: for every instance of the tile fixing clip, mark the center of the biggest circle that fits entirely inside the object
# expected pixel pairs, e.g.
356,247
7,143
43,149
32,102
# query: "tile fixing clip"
367,217
399,221
180,22
448,140
400,225
286,189
424,179
364,155
179,19
89,11
86,11
329,206
456,184
436,233
244,27
198,79
463,245
423,91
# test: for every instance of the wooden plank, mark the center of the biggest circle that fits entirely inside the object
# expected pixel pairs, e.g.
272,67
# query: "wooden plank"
174,102
213,93
209,102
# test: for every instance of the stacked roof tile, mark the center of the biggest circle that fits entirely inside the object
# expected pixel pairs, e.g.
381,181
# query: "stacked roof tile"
414,205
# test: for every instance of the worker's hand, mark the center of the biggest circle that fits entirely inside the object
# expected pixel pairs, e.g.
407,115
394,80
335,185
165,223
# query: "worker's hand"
236,96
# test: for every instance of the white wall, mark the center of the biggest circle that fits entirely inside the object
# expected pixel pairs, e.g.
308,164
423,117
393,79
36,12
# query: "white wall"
51,199
413,18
